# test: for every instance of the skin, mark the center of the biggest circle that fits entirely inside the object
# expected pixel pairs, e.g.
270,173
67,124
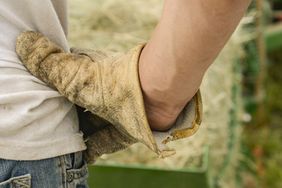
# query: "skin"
188,38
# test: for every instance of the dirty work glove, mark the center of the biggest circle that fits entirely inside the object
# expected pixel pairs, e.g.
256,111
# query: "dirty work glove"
109,88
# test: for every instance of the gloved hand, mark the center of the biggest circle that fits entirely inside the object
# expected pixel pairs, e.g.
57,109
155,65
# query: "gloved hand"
108,86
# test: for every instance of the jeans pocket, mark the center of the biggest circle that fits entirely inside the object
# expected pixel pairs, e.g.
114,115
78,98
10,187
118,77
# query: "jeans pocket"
23,181
77,171
77,178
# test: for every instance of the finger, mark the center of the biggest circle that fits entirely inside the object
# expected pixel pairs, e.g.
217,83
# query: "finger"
32,48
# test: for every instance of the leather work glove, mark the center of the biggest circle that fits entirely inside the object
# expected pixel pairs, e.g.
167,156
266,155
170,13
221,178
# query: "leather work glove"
108,92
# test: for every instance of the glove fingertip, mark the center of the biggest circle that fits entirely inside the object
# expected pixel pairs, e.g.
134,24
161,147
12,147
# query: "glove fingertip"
24,42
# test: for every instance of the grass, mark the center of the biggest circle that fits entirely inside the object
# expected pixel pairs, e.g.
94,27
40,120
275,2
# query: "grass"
264,142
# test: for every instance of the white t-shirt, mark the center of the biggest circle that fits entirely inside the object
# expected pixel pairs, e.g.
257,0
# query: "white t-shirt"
36,122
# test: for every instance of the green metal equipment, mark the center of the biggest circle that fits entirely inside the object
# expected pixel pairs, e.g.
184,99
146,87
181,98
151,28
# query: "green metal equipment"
116,176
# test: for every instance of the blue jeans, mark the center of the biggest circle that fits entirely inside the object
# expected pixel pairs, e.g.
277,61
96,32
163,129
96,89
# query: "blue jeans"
67,171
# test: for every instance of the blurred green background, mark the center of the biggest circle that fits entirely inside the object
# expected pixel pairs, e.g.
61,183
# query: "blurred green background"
239,143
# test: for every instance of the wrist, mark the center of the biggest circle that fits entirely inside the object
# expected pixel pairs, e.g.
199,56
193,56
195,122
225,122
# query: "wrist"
161,116
159,120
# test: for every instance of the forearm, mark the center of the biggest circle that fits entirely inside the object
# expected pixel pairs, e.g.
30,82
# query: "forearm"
186,41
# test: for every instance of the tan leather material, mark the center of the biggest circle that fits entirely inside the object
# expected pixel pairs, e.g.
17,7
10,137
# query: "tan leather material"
107,86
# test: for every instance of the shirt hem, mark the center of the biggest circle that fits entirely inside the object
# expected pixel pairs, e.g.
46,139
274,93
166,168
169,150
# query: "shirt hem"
39,152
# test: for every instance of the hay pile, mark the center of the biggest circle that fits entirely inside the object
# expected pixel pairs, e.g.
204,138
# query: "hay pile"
115,25
119,25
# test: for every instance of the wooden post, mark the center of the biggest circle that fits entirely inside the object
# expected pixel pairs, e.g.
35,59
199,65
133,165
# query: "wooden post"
262,58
